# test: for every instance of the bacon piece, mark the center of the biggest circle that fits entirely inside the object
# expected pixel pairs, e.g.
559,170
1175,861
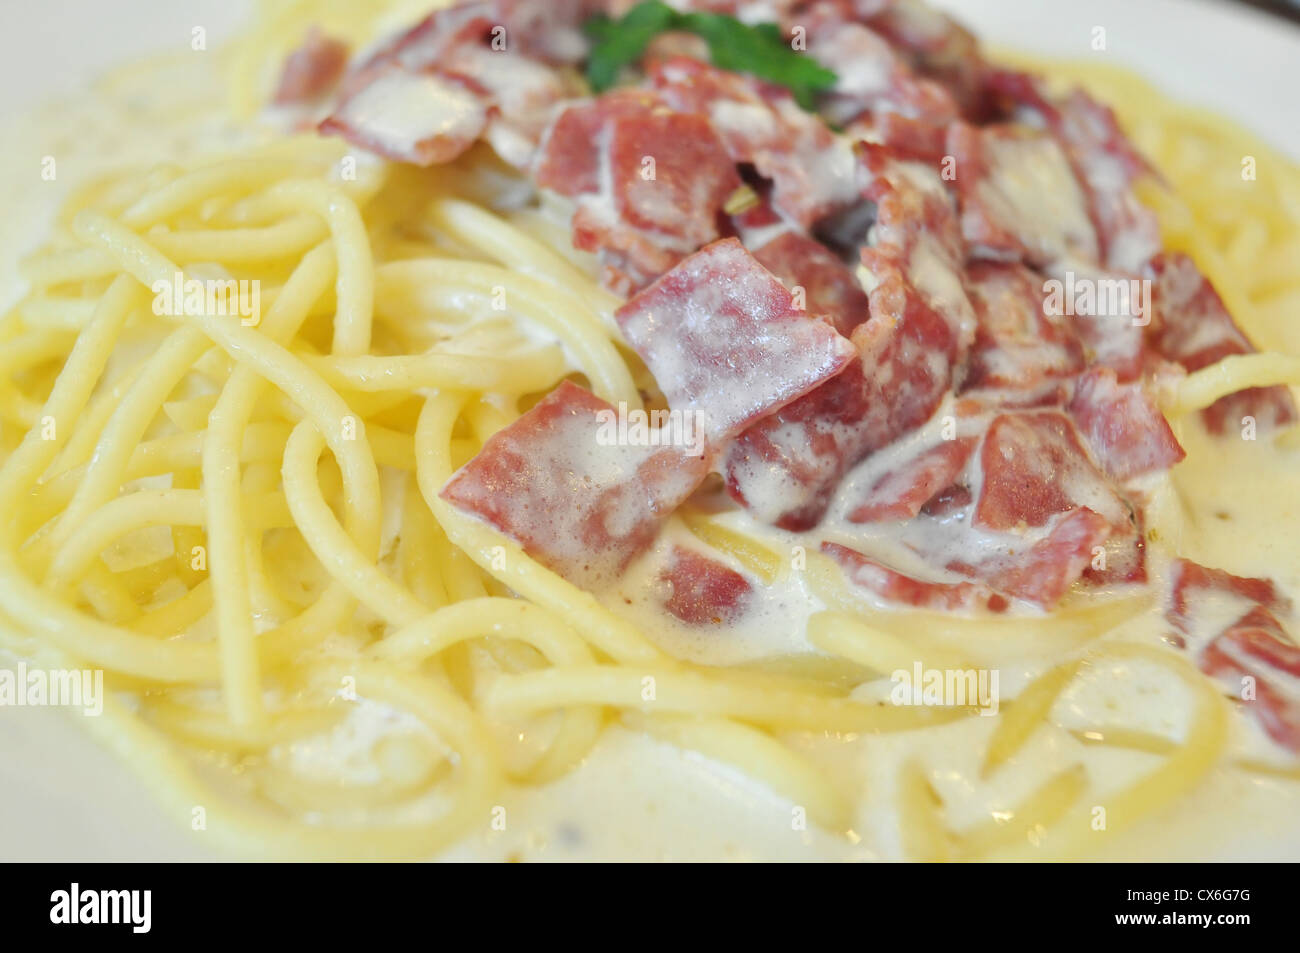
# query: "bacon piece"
1258,648
437,36
546,30
1104,160
1190,582
583,507
1255,646
650,183
1044,571
1109,313
876,94
1019,197
1193,327
1034,467
1123,426
489,49
723,338
1018,345
569,160
812,171
423,118
703,591
829,287
901,492
938,46
785,468
312,70
916,238
1124,560
894,586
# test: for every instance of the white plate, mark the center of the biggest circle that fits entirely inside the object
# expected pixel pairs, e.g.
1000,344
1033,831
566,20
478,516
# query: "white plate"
64,798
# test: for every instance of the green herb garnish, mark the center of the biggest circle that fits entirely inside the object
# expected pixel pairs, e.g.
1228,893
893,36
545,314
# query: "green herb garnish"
759,49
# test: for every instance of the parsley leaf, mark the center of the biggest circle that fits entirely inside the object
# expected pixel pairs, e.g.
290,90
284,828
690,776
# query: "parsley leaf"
621,43
760,50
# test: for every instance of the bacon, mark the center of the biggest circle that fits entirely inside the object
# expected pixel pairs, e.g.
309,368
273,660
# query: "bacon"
420,118
1034,467
569,161
901,492
916,238
702,591
1019,197
650,183
1124,557
876,94
1191,581
401,103
1123,426
1104,160
1256,646
1044,571
436,37
1109,313
813,173
547,30
937,45
829,287
785,468
894,586
582,507
1193,327
1018,345
550,30
312,70
723,338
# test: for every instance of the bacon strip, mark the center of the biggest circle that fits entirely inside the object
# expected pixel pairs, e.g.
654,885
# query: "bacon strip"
583,507
1019,345
1255,649
650,183
1123,426
1193,328
937,45
469,70
312,70
424,118
900,493
703,591
785,468
1105,162
876,96
723,339
829,287
894,586
1019,197
1034,467
813,173
1044,571
916,238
